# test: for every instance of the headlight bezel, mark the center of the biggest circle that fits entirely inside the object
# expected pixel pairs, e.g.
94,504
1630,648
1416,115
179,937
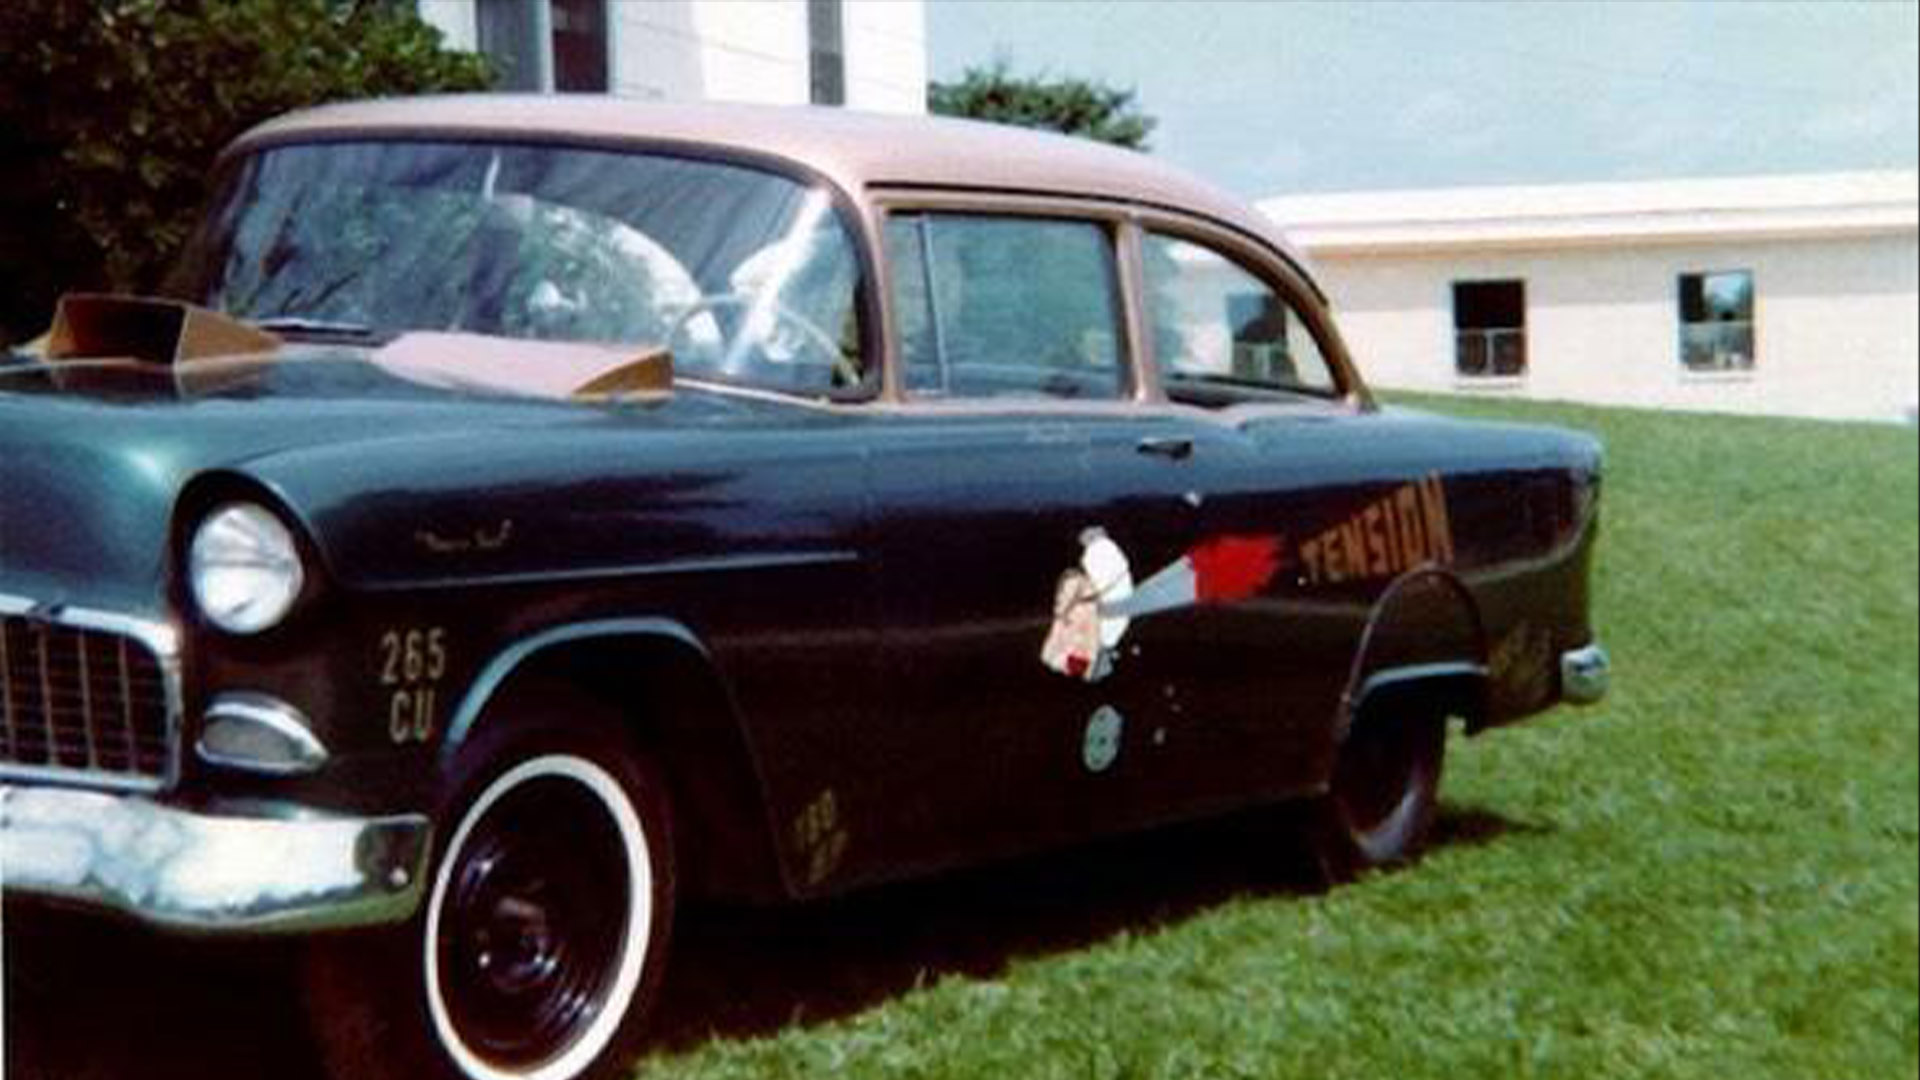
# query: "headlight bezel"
245,567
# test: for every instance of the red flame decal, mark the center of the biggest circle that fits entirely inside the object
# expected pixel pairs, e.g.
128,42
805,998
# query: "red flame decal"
1231,568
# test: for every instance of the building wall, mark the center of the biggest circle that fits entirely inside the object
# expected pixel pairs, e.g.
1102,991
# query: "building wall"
1836,323
743,50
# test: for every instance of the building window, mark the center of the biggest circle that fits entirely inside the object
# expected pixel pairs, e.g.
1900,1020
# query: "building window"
509,33
546,44
1716,321
580,45
1490,328
826,52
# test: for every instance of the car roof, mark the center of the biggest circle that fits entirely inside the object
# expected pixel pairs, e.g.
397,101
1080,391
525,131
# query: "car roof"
858,151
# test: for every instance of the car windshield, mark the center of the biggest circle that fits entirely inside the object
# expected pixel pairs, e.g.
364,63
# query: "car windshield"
744,275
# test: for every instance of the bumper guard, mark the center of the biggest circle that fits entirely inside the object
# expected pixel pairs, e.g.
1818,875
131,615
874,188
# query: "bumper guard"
1585,675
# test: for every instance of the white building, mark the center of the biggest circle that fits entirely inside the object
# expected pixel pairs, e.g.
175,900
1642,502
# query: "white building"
866,54
1781,295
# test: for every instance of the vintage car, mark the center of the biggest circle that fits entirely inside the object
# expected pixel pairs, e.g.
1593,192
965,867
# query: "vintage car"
529,514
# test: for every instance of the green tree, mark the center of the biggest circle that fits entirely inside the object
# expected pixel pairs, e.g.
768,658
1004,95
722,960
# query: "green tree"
1073,106
112,112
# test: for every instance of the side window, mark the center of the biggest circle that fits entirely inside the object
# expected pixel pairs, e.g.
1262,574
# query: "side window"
994,306
1217,325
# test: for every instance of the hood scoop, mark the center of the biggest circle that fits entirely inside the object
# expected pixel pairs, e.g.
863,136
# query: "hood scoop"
557,370
106,344
95,326
96,336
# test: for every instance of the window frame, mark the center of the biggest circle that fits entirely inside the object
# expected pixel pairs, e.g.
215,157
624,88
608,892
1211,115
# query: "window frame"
1273,269
1129,221
1490,377
1751,322
870,301
1301,304
1111,221
535,21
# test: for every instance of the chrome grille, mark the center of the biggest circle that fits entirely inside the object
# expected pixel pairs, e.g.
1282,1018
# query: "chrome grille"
83,701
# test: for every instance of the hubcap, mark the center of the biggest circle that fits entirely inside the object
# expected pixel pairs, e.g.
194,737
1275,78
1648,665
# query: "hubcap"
533,930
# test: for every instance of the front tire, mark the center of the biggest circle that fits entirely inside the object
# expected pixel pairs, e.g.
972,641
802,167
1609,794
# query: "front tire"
542,939
1385,790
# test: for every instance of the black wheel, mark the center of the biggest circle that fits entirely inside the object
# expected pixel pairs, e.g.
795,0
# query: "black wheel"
1385,789
542,937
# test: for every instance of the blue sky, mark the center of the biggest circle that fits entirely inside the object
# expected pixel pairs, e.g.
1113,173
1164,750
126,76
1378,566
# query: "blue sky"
1273,98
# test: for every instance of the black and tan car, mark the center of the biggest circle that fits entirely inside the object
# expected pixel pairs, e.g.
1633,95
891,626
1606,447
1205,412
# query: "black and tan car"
524,516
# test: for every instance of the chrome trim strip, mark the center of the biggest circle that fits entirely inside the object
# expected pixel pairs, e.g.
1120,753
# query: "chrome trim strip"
282,870
777,560
1585,674
160,638
263,710
507,660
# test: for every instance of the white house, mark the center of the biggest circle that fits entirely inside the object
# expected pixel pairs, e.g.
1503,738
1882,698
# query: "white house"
1787,295
867,54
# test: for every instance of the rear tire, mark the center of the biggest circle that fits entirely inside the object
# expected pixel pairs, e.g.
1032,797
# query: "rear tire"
1385,789
541,940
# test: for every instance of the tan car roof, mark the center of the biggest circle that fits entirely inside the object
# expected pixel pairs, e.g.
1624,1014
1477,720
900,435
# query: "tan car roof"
859,151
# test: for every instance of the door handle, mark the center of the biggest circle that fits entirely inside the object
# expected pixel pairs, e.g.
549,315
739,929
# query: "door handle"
1176,447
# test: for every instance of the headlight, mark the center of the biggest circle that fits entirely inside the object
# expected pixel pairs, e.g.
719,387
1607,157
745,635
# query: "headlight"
244,568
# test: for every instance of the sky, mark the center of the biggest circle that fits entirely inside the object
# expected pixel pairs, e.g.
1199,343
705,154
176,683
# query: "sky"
1271,98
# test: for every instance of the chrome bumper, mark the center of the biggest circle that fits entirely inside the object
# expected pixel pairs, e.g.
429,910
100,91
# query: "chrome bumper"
287,872
1585,674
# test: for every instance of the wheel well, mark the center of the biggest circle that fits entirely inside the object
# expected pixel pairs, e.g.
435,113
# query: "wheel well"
673,704
1424,641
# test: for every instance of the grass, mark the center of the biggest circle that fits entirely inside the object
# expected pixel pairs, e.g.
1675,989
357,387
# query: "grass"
1713,874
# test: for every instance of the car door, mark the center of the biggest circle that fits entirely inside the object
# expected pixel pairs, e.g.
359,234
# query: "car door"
1248,663
1012,345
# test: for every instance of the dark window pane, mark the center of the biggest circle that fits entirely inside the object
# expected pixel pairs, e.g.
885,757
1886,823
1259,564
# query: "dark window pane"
1693,305
1726,296
1471,354
826,52
1489,305
580,45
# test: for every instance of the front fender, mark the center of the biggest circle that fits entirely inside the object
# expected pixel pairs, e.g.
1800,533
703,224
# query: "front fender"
665,686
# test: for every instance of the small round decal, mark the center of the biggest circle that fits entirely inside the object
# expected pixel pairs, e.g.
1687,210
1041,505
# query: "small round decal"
1102,745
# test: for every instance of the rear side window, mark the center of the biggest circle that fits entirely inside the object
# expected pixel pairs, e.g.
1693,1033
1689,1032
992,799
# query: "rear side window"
1217,325
1006,306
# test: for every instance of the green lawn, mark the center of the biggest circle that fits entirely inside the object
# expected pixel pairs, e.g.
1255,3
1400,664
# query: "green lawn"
1713,875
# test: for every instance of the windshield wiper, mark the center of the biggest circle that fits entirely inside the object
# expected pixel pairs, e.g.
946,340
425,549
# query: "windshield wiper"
300,324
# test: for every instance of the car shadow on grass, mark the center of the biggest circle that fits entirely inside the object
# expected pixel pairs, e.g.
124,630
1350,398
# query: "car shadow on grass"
88,1000
740,974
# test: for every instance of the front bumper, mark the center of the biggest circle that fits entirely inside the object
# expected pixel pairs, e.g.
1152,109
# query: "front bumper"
279,869
1585,675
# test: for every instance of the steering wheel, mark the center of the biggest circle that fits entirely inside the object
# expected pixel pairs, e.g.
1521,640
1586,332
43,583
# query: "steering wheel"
806,337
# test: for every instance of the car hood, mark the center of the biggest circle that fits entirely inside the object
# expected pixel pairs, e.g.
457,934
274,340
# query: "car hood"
94,457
